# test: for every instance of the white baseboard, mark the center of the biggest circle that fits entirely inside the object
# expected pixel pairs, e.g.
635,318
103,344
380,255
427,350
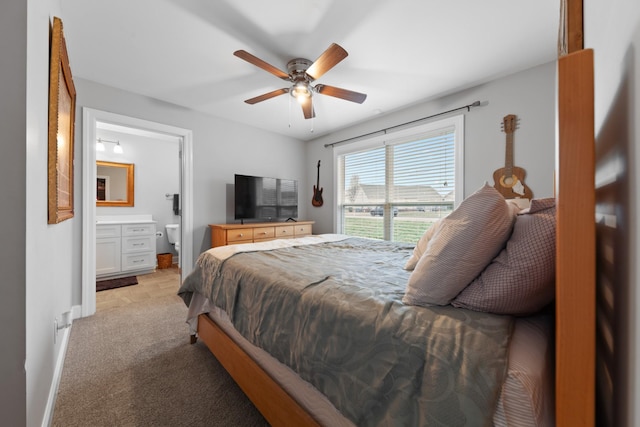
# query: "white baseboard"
76,312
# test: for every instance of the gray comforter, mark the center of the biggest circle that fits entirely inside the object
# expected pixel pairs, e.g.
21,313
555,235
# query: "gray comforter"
333,313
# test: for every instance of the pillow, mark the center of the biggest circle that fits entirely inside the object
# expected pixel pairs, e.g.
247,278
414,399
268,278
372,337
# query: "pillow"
421,246
465,242
521,279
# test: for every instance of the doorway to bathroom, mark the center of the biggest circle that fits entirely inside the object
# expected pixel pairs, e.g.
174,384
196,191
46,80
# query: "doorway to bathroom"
163,154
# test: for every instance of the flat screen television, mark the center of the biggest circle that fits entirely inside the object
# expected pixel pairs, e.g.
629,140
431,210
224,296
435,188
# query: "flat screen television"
265,199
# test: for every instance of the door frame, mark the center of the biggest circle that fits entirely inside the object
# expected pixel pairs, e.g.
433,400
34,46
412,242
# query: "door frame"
90,118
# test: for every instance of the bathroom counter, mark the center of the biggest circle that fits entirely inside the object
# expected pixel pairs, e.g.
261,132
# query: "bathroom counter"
124,219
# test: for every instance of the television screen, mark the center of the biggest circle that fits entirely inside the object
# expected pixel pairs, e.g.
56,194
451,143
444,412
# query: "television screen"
267,199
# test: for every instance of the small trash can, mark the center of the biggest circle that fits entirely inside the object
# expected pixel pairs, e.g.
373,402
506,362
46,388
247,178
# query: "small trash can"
164,260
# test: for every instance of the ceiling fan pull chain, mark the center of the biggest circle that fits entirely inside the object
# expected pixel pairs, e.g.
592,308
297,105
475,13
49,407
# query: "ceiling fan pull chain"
289,112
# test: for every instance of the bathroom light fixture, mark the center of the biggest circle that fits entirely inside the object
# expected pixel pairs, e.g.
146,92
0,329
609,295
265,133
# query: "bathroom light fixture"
101,147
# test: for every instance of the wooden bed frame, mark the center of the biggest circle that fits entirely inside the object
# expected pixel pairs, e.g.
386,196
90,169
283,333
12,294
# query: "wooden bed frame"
575,272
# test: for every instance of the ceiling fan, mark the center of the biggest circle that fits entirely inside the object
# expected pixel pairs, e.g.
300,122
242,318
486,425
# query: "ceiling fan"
301,73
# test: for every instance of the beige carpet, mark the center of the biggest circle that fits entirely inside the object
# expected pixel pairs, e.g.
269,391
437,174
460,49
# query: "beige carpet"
134,366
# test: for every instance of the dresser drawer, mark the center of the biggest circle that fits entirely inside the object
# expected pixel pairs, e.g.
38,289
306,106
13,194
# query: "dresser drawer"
138,244
284,231
239,234
302,230
138,229
139,261
263,233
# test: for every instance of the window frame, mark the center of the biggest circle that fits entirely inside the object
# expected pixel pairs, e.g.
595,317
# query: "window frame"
395,137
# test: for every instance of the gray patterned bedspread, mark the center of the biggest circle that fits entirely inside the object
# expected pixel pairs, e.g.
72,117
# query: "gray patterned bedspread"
333,313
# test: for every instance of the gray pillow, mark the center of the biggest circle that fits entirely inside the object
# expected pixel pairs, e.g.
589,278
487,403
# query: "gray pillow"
521,279
462,246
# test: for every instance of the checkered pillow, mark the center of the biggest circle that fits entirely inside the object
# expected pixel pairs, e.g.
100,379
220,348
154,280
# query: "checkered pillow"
464,243
521,279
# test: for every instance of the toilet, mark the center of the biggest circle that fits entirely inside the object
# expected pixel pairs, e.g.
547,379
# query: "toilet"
173,234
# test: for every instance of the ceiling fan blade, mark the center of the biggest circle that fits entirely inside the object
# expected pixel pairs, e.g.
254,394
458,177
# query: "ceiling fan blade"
307,109
337,92
266,96
243,54
329,58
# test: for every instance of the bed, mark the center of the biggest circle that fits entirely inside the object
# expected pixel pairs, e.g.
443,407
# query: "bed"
470,370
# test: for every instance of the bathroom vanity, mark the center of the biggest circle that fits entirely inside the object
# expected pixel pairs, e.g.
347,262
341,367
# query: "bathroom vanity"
125,245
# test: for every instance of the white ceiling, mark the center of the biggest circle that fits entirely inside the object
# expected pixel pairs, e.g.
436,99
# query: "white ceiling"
401,52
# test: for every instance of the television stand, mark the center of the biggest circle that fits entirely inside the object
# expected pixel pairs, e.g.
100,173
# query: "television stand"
227,234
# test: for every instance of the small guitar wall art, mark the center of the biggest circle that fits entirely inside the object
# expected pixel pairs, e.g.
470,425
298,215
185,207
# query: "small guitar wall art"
509,180
317,191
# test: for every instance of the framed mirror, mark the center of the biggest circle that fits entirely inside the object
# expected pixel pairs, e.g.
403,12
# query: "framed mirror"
114,184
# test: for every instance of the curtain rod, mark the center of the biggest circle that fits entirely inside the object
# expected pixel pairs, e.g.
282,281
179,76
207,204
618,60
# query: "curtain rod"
468,107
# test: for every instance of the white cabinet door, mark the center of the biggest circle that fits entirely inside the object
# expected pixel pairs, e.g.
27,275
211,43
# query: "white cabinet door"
107,255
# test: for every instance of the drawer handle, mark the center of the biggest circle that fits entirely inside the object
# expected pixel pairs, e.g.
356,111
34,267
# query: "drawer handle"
138,244
137,229
241,235
137,261
264,232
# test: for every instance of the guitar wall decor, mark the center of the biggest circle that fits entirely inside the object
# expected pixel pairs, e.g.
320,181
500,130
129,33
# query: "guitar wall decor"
509,180
317,191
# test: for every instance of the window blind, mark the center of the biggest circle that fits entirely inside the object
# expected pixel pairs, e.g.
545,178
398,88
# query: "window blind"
396,191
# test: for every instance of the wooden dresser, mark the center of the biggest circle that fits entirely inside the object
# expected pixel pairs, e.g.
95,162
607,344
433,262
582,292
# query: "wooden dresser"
227,234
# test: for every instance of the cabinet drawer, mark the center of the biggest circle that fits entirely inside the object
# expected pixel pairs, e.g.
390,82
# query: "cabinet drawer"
285,231
138,244
138,229
239,235
302,230
263,233
138,261
107,231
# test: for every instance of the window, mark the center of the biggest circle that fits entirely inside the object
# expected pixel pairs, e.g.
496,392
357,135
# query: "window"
394,186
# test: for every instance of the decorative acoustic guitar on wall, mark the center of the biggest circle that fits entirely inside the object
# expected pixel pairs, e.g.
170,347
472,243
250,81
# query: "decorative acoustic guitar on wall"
317,191
509,180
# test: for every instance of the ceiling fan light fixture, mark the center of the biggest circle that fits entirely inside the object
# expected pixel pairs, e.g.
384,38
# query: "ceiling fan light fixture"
301,91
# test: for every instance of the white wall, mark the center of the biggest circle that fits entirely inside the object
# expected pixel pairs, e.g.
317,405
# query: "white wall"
44,252
156,173
529,94
220,149
13,170
612,29
36,259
